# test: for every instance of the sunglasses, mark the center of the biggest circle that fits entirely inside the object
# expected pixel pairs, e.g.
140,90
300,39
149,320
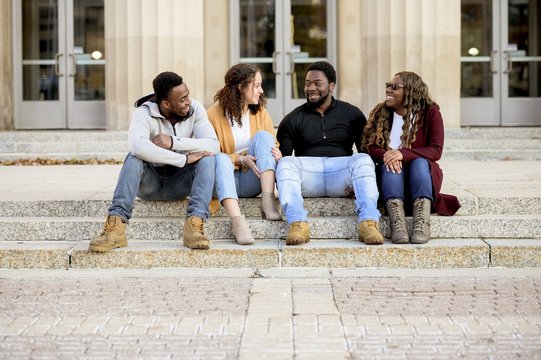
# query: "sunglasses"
393,86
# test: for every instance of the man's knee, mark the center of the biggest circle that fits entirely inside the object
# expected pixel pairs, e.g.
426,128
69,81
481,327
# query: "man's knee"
288,167
133,162
362,162
207,162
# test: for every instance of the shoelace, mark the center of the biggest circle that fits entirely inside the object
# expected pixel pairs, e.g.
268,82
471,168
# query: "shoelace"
196,226
420,218
398,225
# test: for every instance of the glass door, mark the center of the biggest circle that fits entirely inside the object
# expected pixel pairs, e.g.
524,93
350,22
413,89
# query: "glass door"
59,57
500,63
282,38
521,62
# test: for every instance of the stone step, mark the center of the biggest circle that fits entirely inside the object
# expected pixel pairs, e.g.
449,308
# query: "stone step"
460,144
35,148
494,133
491,154
442,253
112,135
329,227
489,204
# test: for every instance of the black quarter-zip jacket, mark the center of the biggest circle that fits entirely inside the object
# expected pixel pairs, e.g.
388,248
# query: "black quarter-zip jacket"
331,134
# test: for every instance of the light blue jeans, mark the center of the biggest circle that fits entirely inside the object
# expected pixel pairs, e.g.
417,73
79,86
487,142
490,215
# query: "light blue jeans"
139,178
231,183
415,175
307,176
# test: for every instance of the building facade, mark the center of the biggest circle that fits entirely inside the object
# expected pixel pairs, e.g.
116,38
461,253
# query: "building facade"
79,64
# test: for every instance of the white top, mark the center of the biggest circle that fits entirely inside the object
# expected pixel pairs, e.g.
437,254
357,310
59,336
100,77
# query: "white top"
396,132
241,134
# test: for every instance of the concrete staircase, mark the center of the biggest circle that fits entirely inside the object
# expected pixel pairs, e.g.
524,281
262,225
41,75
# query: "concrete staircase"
48,214
460,144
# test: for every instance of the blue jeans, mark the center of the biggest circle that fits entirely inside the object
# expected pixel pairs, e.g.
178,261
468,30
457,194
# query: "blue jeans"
231,183
416,174
139,178
306,176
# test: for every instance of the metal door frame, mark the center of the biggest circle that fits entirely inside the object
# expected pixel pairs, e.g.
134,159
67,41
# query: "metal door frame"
282,59
500,109
65,112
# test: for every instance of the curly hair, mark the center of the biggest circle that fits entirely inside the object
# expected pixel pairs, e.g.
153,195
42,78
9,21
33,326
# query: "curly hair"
231,97
417,100
163,83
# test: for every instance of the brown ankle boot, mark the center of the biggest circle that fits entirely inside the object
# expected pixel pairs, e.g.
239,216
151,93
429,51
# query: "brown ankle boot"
369,232
299,233
399,232
194,235
242,232
421,221
268,207
113,235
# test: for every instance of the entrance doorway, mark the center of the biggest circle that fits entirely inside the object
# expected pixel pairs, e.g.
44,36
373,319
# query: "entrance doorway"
501,63
59,79
282,37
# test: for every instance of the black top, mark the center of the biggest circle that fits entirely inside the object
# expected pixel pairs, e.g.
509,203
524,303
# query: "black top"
332,134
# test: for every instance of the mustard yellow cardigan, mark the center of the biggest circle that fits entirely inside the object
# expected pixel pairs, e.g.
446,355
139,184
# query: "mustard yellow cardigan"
222,126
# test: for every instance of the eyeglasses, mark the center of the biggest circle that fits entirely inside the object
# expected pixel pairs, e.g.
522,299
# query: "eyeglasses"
393,86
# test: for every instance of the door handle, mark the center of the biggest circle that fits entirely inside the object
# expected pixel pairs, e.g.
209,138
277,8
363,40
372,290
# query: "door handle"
274,66
492,57
291,63
509,62
73,64
57,57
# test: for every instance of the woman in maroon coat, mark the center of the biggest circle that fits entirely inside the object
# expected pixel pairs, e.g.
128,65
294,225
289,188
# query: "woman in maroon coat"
404,136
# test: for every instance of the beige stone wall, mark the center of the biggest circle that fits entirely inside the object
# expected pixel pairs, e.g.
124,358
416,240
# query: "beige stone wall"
216,19
6,107
144,38
377,39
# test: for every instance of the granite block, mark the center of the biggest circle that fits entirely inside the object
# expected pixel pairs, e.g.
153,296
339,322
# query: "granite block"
149,254
515,253
348,253
34,255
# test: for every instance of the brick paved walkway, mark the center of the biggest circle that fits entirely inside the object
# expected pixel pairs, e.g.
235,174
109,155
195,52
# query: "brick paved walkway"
313,315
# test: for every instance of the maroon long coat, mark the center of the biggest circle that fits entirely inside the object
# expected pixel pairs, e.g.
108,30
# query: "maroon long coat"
429,145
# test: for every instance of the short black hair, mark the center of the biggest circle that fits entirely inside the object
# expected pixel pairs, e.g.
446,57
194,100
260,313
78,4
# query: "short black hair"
326,68
164,83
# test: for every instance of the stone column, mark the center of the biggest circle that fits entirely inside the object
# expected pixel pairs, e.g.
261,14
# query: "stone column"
379,38
6,109
144,38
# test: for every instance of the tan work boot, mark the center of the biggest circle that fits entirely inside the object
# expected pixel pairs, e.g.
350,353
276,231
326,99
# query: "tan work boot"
369,232
243,234
268,207
399,232
299,233
421,221
113,235
193,234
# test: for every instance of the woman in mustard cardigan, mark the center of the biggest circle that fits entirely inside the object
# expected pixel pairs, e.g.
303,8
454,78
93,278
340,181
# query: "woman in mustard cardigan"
249,152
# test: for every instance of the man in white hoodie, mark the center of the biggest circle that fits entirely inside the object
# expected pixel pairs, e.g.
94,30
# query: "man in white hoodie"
171,144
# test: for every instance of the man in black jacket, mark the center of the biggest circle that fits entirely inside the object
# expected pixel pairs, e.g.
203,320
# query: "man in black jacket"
321,133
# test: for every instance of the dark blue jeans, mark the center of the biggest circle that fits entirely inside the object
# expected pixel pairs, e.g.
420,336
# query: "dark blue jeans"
142,179
414,180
